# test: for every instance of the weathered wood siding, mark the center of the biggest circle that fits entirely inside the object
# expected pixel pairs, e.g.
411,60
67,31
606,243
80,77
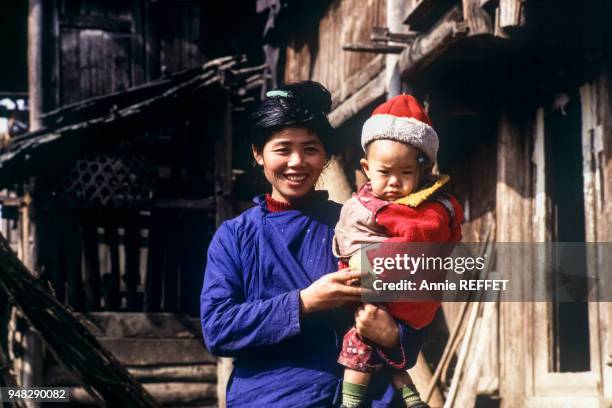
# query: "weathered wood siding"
108,47
320,56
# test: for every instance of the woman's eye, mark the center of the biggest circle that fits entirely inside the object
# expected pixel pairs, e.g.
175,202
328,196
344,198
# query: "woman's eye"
312,150
281,151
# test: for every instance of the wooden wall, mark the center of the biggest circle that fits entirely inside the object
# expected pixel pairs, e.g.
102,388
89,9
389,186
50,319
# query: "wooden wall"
319,55
106,47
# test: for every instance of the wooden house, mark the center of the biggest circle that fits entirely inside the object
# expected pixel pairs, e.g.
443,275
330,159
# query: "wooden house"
121,94
519,92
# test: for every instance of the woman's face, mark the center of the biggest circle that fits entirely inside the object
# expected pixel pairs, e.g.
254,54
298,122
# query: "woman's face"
292,159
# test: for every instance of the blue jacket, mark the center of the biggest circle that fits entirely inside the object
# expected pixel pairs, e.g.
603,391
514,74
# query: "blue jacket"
257,264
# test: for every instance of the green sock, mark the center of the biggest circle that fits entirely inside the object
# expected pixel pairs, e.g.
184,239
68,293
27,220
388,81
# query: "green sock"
353,395
411,397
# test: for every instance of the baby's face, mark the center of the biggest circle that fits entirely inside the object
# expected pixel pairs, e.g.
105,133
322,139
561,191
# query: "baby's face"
392,168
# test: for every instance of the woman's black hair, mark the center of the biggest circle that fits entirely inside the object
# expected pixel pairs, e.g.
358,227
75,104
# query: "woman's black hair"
301,104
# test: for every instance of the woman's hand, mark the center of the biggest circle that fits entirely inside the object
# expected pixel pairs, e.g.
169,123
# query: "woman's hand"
330,291
377,325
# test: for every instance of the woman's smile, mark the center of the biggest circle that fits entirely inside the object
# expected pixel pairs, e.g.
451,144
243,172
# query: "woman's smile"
296,178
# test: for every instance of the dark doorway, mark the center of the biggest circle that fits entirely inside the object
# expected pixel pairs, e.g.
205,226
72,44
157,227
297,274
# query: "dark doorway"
570,329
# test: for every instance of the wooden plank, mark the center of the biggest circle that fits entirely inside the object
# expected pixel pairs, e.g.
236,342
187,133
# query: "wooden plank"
155,264
373,48
374,90
358,80
119,57
141,325
89,236
132,264
57,376
511,13
179,373
172,394
96,22
512,209
112,299
70,69
57,270
91,53
137,43
146,352
71,239
431,44
468,389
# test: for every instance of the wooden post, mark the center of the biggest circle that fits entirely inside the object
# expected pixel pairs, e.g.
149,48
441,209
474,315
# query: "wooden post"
223,166
35,62
112,295
33,364
395,17
89,237
513,218
223,194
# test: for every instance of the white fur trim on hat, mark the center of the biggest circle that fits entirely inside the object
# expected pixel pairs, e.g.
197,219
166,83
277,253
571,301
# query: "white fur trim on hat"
406,130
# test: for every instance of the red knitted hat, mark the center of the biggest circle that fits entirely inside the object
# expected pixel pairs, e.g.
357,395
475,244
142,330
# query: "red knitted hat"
403,119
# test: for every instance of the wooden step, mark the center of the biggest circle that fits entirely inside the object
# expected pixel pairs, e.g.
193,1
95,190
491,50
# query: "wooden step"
57,376
163,351
169,394
141,325
147,352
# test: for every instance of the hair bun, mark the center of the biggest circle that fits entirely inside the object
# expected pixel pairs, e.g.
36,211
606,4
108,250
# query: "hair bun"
312,95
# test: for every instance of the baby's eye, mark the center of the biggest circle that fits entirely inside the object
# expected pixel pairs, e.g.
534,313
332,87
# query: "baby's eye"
408,173
385,172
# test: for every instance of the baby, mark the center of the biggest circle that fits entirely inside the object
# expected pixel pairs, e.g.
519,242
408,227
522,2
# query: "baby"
403,201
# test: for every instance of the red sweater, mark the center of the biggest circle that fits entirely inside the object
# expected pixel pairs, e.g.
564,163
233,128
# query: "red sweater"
429,221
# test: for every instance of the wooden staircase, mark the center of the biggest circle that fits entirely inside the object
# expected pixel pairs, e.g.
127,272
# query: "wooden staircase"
165,352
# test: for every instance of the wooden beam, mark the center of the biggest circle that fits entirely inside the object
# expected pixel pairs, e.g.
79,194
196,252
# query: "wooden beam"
167,394
154,352
223,166
56,376
513,213
373,48
384,34
358,80
36,82
97,23
424,13
369,93
478,20
431,44
511,13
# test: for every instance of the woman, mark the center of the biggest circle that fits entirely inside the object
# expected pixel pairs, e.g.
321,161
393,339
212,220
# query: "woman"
270,297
